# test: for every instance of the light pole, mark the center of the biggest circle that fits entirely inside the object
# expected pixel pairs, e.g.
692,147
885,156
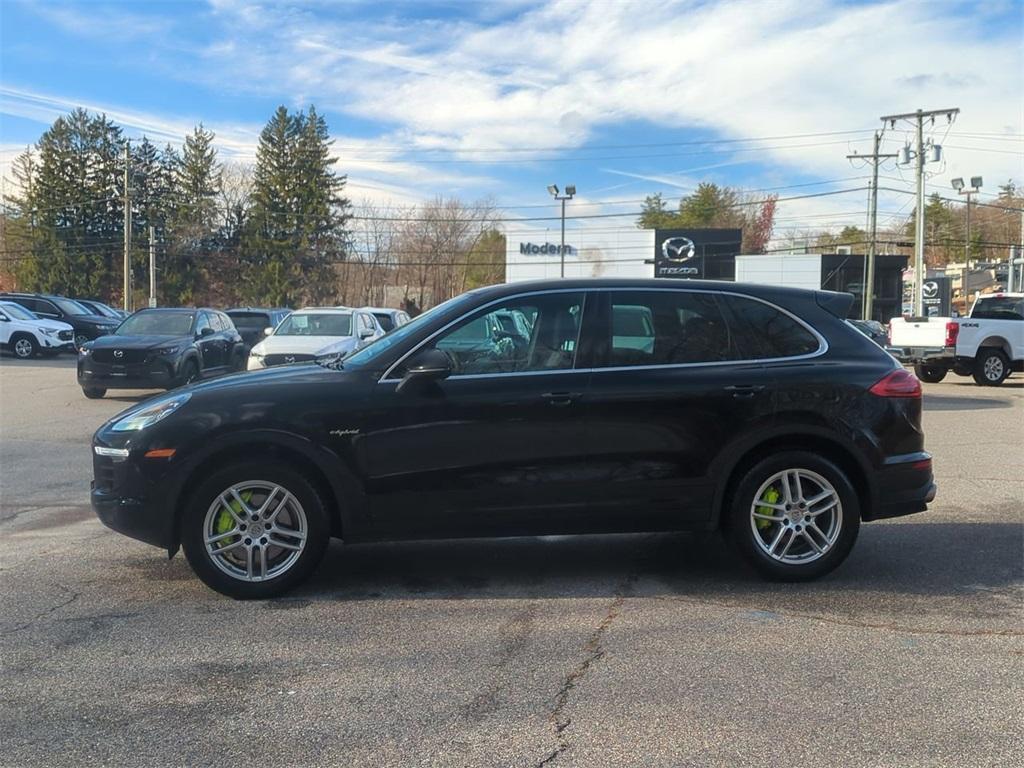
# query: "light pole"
959,186
570,191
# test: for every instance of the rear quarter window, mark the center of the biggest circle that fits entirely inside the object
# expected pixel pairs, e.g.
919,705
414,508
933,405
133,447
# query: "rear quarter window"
767,332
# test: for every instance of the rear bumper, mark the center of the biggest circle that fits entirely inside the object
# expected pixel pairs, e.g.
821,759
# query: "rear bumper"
932,355
905,485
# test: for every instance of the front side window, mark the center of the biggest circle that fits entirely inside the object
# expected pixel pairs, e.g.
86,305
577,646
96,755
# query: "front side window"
666,328
483,343
767,331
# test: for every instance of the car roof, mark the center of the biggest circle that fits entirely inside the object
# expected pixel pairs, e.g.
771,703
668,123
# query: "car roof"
257,309
325,310
389,310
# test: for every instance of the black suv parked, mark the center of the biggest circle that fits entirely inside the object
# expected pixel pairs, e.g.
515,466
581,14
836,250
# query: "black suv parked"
631,405
161,348
86,323
252,322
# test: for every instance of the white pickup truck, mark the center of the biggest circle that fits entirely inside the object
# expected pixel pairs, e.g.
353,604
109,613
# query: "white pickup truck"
987,345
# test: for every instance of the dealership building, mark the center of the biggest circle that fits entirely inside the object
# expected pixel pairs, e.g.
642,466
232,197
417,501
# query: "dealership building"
709,254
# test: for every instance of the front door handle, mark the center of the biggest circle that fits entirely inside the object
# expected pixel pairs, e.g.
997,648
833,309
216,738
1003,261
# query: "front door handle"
561,399
744,390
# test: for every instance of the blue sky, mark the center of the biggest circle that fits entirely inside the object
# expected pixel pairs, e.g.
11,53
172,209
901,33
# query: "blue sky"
497,100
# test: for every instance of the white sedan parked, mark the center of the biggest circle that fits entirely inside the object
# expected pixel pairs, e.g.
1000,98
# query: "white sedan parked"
308,333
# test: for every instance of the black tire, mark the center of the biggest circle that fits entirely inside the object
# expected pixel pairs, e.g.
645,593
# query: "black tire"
189,372
23,346
93,393
931,374
81,339
991,367
741,525
206,495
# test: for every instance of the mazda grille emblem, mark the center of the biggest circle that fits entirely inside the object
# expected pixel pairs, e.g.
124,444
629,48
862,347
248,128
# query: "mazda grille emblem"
678,249
290,359
930,290
118,353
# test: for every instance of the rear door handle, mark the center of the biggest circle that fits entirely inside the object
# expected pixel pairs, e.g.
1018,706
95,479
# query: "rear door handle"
562,399
744,390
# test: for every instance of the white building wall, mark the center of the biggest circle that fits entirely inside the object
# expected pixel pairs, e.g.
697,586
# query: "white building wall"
795,270
600,253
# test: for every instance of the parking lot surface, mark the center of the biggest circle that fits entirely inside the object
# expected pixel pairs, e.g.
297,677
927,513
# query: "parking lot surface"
643,650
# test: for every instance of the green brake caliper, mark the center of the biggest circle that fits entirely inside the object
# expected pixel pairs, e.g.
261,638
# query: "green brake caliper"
225,522
770,496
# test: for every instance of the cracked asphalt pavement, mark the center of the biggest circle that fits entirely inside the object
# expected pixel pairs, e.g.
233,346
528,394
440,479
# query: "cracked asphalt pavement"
646,650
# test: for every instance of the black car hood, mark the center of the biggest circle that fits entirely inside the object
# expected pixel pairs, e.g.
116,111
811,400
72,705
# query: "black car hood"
138,342
94,319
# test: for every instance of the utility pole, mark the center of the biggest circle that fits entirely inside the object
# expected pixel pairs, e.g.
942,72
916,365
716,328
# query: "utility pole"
917,119
152,266
127,231
875,158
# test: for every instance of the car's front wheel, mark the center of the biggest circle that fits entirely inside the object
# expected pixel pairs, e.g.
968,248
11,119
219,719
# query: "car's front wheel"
255,530
794,516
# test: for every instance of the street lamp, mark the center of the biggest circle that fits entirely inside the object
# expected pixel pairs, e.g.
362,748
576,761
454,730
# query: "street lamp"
570,191
961,188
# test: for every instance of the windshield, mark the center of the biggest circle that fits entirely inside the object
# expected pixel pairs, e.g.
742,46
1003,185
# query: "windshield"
157,324
16,310
315,324
999,308
369,354
103,309
69,307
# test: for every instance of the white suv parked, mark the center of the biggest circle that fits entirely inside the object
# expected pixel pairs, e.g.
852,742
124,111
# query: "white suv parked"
25,335
309,333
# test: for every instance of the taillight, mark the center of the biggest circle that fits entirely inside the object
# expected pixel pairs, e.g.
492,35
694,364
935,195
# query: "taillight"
952,331
899,383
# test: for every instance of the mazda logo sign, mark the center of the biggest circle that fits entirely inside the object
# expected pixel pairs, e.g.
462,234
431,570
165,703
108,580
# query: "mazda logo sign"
290,359
930,289
118,353
678,249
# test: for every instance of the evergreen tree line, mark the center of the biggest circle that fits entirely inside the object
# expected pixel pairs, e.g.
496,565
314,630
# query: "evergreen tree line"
224,234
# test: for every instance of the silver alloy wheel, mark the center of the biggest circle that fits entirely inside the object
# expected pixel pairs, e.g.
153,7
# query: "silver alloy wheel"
993,368
255,530
23,348
796,516
81,340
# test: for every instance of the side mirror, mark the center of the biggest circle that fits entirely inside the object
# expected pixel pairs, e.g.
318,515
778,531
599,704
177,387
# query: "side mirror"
4,318
268,331
207,331
428,365
365,333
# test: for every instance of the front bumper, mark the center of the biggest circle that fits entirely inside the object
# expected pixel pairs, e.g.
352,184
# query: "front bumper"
906,485
155,374
128,503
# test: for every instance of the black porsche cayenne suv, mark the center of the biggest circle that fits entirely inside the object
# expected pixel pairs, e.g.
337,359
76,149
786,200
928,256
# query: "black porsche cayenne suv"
161,348
604,405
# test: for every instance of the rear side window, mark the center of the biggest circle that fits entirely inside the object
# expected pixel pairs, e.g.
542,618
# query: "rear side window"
667,328
385,320
999,308
767,332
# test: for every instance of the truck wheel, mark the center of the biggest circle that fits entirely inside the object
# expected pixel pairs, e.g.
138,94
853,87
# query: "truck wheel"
931,374
991,367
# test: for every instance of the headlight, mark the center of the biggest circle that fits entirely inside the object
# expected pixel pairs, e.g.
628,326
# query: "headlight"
84,351
50,331
167,350
151,413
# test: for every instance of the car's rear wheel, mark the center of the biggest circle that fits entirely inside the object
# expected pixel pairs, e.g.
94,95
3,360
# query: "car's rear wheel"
932,374
991,367
24,347
81,339
93,393
794,516
255,530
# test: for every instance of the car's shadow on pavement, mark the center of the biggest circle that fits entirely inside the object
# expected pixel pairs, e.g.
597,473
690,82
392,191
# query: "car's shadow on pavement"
903,559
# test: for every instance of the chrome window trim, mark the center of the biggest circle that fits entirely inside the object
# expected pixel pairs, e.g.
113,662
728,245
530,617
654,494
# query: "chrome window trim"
822,341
